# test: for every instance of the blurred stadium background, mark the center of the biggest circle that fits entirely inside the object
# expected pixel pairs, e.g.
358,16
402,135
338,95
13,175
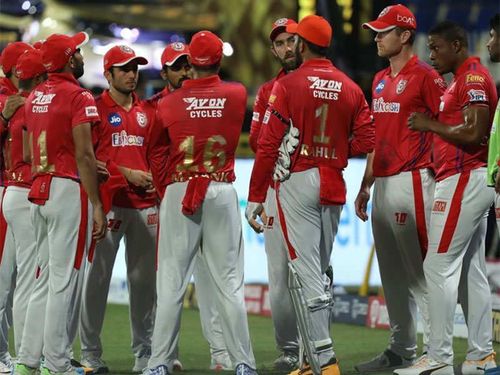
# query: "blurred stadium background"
148,25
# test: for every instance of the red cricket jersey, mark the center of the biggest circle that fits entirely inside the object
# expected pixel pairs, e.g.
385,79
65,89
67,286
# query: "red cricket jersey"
122,137
331,114
416,88
259,109
471,85
204,128
51,111
157,152
7,89
18,172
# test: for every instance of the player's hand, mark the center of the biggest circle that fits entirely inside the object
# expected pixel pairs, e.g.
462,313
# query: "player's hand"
419,122
361,203
100,223
253,210
497,182
140,178
12,103
102,171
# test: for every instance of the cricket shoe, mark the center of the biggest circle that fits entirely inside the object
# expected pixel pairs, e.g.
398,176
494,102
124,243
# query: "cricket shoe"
472,367
21,369
287,361
330,368
385,361
243,369
72,371
158,370
177,365
6,367
140,364
425,365
95,364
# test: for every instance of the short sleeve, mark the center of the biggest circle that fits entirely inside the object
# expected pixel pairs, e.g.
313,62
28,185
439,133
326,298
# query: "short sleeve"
84,109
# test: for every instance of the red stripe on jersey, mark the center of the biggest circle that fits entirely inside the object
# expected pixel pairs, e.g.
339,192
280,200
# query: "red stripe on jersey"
454,213
82,229
418,196
291,250
3,227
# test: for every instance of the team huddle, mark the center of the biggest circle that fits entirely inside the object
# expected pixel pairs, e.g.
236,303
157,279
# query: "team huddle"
83,173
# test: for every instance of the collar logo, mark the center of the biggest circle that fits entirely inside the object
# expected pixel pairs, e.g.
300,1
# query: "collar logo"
142,120
114,119
401,86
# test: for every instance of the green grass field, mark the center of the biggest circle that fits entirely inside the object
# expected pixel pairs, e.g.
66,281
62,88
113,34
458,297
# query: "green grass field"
352,343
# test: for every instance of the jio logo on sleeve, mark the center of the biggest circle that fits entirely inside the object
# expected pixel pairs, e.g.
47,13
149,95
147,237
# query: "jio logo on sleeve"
114,119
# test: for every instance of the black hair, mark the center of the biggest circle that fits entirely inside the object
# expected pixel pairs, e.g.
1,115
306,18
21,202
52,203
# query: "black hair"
413,33
450,31
315,49
495,23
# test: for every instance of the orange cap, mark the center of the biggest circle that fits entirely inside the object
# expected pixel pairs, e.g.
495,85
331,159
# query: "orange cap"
315,29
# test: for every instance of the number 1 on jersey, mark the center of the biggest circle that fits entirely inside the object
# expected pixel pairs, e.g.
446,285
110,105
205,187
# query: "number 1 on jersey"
322,113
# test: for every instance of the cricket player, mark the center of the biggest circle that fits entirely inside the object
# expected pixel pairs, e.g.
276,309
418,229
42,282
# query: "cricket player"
494,143
400,168
200,205
8,89
122,138
283,47
333,122
59,115
16,206
454,266
175,70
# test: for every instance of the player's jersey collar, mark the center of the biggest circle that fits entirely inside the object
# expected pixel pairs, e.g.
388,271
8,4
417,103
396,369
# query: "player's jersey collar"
409,64
207,81
109,101
63,77
317,62
466,65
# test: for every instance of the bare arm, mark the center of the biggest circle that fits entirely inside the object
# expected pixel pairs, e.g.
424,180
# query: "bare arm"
87,169
361,202
474,130
26,147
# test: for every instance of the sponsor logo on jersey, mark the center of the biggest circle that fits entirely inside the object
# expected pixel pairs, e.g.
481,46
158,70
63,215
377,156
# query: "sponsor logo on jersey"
477,96
205,107
272,98
380,86
474,78
255,116
441,105
114,119
439,206
122,139
380,106
40,98
401,86
142,119
440,82
267,116
91,111
325,88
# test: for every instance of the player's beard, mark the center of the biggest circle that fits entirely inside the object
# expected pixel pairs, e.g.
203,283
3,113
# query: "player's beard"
125,90
291,64
179,82
78,69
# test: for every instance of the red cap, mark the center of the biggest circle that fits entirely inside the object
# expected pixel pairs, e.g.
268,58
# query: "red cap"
30,64
120,56
205,48
172,52
58,48
279,26
11,53
315,29
391,17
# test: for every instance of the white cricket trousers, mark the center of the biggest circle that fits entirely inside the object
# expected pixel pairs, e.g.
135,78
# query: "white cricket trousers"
139,227
62,229
282,313
7,284
497,211
216,226
455,265
16,209
309,229
400,217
